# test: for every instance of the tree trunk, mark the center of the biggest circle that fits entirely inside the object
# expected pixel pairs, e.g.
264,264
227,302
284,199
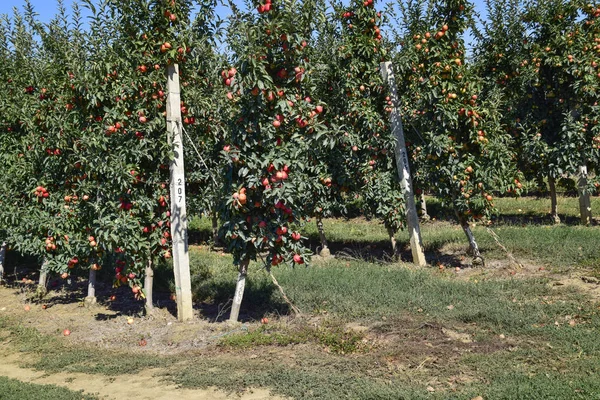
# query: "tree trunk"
324,247
424,215
215,228
239,291
553,202
42,288
585,205
2,257
148,284
391,233
91,291
473,247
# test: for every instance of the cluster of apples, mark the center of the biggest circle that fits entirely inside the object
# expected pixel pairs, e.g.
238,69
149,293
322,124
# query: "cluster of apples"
264,8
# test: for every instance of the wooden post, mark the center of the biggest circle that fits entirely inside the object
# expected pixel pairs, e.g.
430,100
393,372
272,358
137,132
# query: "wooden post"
179,233
553,202
2,258
414,230
585,205
148,285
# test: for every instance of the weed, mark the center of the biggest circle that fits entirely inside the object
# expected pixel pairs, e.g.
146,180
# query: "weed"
11,389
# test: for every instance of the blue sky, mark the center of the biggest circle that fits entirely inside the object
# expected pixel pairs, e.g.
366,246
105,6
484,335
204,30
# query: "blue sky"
47,8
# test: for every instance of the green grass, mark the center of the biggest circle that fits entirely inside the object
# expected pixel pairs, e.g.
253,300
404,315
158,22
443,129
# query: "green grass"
332,337
12,389
560,247
544,360
362,290
522,225
201,224
540,355
60,358
340,230
540,206
368,292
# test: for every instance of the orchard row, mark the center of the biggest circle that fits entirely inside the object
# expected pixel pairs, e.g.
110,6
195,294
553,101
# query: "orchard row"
290,122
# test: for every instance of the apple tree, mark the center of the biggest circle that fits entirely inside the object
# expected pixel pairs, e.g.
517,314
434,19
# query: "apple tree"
267,174
462,151
358,112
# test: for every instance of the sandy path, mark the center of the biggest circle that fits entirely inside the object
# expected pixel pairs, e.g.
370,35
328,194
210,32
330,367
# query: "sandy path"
139,386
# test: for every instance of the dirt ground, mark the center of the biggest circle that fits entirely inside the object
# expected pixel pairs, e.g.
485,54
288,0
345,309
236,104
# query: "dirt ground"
106,325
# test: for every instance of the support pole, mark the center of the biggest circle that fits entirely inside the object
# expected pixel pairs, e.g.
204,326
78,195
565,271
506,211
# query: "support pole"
148,285
585,204
179,233
553,202
414,230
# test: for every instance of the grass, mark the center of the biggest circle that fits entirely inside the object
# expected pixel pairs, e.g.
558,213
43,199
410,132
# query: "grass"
333,337
522,225
560,247
60,358
543,356
12,389
381,330
539,207
548,358
523,209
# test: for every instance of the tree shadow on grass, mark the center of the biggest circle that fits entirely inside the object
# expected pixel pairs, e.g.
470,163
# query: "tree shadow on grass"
261,298
532,218
381,252
439,212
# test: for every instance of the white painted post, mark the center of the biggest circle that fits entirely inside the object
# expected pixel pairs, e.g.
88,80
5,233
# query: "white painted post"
2,257
179,233
585,205
148,285
414,230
